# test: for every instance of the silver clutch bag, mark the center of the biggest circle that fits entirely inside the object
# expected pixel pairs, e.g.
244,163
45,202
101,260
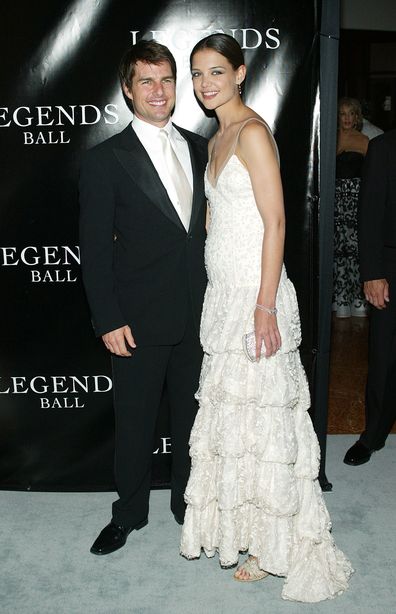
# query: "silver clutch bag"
249,346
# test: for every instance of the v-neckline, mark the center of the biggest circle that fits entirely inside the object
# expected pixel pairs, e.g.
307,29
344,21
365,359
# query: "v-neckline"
223,166
232,151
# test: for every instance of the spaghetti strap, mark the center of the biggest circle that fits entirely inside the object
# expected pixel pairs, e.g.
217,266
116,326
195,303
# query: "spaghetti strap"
260,121
214,178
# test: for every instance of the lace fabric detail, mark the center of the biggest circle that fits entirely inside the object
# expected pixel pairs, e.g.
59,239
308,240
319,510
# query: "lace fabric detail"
255,456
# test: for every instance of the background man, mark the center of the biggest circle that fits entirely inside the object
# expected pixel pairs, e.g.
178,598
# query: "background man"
377,253
142,233
368,128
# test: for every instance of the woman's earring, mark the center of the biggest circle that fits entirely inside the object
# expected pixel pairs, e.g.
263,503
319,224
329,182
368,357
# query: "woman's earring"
239,88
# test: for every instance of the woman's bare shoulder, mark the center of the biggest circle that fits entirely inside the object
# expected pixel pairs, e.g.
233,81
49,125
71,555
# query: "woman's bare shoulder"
256,135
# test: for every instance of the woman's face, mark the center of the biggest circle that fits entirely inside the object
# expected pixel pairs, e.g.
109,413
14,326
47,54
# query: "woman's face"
215,81
347,117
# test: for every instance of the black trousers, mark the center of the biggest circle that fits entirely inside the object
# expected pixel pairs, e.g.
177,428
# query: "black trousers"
381,378
138,385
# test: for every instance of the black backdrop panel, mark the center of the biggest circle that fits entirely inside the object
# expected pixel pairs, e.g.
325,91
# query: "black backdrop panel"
60,95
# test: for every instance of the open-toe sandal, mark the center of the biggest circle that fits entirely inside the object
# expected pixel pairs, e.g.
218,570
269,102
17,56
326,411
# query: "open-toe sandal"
251,567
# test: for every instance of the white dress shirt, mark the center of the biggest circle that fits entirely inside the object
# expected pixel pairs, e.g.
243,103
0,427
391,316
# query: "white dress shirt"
148,136
370,130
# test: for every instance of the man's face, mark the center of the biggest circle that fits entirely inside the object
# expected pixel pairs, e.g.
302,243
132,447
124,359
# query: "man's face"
153,92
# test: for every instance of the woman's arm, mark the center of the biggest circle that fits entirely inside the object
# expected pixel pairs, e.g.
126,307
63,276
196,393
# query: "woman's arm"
257,152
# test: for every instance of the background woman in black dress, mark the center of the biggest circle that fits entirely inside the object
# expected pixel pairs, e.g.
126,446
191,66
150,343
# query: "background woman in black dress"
351,149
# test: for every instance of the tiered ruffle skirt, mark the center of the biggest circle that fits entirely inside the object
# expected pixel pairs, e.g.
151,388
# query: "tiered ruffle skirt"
255,456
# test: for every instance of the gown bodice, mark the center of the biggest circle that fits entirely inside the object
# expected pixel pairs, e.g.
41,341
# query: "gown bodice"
349,164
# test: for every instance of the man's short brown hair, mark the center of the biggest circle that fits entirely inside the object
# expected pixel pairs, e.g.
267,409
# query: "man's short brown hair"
147,51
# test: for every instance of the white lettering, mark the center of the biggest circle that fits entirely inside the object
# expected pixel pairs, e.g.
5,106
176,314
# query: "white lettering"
5,391
49,252
259,38
272,38
35,259
30,255
62,138
76,382
84,108
75,256
103,377
61,403
51,139
33,384
10,254
43,113
15,117
111,113
62,111
28,138
46,277
19,382
36,277
72,403
166,443
57,382
134,33
165,446
161,36
184,38
68,276
40,140
2,116
48,138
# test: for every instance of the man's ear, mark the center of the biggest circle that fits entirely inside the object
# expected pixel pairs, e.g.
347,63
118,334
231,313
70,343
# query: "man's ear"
127,92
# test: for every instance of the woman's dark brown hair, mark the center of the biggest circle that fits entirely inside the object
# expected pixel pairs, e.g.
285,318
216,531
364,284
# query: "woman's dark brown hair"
223,44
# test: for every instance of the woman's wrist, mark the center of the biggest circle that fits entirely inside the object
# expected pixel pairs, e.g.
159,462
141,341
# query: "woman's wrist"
271,310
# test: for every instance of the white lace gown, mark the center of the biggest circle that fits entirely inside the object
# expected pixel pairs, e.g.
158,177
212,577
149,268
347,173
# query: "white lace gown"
255,456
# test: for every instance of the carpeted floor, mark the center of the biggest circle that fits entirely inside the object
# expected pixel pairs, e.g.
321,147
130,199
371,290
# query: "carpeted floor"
46,566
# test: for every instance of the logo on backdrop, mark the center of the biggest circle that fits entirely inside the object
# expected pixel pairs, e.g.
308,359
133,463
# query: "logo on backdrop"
165,445
57,391
184,40
50,125
45,263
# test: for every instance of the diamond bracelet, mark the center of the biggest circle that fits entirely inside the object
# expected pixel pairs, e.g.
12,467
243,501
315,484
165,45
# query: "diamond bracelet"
271,310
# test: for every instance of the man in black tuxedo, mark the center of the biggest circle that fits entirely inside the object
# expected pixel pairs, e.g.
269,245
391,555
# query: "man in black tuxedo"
142,234
377,252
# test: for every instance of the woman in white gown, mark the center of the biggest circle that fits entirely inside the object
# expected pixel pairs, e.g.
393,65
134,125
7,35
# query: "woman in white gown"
255,457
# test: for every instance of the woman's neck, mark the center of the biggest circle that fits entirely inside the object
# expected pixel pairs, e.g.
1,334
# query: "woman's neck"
230,113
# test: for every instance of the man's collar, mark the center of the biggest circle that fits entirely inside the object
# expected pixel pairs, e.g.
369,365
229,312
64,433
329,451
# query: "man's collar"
142,127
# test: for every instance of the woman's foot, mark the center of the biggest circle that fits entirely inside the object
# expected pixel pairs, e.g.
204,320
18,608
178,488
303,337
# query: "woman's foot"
249,571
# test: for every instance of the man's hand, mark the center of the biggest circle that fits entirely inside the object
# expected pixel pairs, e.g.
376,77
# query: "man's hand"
115,341
376,292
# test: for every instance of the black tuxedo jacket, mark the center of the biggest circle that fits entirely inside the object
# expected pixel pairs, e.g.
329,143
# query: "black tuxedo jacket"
377,209
140,267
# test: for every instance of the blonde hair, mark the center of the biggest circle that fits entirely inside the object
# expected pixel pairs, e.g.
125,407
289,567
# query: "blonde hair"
353,104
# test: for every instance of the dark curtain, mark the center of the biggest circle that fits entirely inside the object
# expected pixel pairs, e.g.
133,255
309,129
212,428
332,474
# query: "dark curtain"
329,37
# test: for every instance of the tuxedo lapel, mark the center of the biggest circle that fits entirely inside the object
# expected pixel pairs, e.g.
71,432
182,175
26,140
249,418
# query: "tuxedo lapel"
135,160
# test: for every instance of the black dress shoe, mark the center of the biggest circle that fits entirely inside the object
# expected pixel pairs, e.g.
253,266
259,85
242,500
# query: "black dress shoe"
358,454
113,537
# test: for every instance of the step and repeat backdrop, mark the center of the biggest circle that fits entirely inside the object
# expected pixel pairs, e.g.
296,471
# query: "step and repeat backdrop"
59,96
